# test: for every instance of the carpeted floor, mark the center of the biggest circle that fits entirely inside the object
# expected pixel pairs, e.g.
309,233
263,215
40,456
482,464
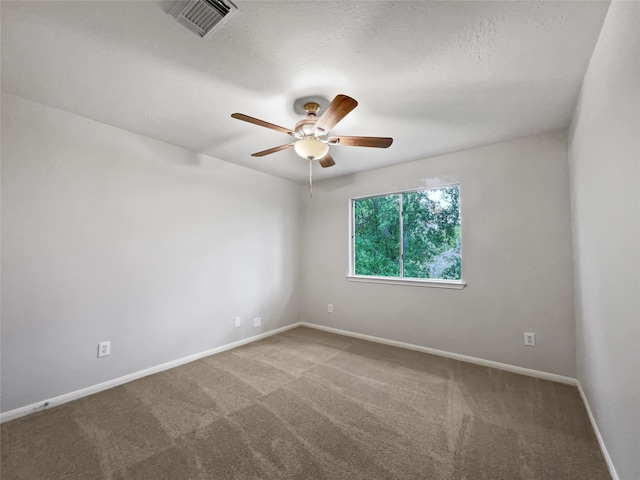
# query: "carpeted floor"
305,405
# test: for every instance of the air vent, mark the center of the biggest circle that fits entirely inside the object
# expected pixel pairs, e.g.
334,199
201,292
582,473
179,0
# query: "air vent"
201,16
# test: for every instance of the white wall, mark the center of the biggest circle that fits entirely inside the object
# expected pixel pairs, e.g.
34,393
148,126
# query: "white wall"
605,179
108,235
516,243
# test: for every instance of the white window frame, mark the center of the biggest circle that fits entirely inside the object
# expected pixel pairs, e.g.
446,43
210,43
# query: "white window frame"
414,282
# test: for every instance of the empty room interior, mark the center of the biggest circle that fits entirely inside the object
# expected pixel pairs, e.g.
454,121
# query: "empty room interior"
320,240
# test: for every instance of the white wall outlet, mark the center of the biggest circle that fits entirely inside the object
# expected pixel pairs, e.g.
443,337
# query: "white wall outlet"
236,322
104,349
330,308
530,339
257,322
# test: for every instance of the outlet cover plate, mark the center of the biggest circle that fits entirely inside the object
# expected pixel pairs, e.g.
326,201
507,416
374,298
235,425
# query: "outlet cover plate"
236,322
257,322
104,349
530,339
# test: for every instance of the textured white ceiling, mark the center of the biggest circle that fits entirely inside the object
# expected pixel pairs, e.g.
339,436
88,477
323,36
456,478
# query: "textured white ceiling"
436,76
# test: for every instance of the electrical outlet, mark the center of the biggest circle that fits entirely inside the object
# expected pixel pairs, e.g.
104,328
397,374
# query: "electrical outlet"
530,339
236,322
330,308
257,322
104,349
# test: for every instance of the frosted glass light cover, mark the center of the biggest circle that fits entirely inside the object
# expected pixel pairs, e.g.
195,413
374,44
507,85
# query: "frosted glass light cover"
311,149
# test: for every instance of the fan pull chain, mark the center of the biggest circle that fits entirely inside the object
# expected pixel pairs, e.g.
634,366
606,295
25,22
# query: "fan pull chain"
310,179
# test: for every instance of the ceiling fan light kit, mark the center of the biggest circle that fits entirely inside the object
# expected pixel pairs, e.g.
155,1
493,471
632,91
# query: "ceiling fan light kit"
311,148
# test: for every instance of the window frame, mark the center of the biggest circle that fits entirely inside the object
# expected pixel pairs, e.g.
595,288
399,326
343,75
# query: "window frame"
416,282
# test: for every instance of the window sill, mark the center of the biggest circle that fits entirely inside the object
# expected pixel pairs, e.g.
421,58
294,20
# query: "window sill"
453,284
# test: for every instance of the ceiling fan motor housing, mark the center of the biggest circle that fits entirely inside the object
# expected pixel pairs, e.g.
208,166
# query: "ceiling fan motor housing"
306,127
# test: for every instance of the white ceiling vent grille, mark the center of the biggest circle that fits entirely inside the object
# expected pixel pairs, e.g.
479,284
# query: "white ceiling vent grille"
201,16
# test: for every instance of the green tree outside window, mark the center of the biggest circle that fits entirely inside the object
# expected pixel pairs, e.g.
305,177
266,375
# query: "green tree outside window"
428,222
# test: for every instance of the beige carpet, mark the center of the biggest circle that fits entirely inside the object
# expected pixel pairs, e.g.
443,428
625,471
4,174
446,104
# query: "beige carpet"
307,404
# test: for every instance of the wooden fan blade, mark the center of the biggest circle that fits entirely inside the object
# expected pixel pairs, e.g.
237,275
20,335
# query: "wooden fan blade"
272,150
378,142
262,123
336,111
327,161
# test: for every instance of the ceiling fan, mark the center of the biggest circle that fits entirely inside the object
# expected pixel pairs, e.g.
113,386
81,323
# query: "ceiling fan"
312,132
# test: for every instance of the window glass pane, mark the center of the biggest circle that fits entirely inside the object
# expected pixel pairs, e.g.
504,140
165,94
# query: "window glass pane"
431,234
377,236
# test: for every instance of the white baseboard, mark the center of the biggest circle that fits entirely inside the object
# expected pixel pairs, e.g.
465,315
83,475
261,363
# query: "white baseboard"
68,397
456,356
603,447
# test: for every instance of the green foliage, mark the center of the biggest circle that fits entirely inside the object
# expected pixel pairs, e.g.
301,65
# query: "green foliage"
453,272
377,236
430,235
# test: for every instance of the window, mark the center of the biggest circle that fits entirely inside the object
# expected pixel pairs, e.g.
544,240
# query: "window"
409,235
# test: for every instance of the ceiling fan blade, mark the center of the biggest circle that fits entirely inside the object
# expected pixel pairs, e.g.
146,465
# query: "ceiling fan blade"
272,150
378,142
262,123
336,111
327,161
